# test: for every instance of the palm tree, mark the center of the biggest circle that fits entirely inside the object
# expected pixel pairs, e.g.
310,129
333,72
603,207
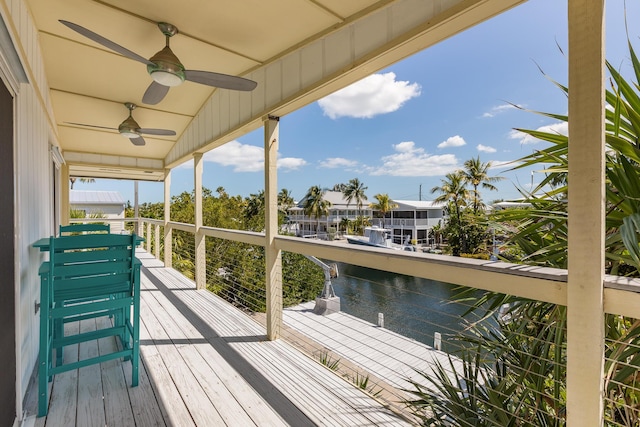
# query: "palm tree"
452,190
476,173
85,180
285,200
344,225
542,235
221,192
339,187
383,205
314,204
355,191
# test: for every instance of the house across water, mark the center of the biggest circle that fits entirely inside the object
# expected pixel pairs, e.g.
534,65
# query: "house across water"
413,218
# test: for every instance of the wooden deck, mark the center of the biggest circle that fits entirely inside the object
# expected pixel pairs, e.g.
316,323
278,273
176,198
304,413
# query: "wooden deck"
391,357
203,363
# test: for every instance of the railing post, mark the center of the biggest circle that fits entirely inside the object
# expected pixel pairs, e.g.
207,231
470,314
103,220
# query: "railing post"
200,252
156,241
586,220
273,256
168,235
148,236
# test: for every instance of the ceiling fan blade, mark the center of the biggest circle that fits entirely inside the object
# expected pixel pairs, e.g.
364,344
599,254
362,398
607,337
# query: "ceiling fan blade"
106,42
138,141
91,126
154,93
223,81
161,132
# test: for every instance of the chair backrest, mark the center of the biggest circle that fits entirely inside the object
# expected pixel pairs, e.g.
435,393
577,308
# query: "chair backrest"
90,227
91,265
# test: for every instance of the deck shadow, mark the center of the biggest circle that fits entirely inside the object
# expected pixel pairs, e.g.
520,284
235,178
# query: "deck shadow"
287,410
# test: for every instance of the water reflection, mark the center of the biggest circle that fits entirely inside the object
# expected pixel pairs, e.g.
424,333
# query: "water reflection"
414,307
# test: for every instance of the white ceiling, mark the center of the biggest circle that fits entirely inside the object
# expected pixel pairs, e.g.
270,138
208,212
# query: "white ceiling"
89,83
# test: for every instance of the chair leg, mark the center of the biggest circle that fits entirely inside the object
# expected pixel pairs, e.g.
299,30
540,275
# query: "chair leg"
136,330
58,333
44,352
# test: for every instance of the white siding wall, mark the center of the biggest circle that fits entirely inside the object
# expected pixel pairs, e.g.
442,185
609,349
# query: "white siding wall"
33,183
109,211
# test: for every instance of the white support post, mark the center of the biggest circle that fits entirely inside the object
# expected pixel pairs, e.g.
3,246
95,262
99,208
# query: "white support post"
64,196
148,236
200,253
156,241
585,310
168,237
273,256
136,212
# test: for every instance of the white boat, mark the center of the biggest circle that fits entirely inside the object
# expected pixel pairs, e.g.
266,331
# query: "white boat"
379,237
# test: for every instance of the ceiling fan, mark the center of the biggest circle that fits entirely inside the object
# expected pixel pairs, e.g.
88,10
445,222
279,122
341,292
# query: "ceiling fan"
130,128
165,68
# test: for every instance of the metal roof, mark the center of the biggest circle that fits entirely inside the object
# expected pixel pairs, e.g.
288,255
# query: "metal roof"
418,204
87,197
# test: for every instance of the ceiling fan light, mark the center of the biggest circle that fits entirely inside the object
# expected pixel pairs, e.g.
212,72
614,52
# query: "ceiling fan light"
129,134
166,78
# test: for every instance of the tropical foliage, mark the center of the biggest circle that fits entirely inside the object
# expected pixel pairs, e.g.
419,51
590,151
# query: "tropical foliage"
354,191
466,226
315,205
383,204
516,375
476,173
235,271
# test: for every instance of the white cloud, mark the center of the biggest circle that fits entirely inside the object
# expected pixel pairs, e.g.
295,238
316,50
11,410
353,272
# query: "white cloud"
373,95
290,163
244,158
409,160
501,164
337,162
485,148
452,141
498,110
561,128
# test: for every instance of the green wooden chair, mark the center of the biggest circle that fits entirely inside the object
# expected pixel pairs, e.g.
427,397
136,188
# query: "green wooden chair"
90,227
88,276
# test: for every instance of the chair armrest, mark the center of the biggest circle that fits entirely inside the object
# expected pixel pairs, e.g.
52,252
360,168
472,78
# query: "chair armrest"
44,268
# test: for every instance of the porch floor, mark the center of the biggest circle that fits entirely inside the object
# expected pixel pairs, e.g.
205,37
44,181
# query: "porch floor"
203,363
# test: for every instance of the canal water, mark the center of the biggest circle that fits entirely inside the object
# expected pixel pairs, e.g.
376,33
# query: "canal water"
414,307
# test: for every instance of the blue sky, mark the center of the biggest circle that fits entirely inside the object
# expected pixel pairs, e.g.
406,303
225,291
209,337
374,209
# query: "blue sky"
402,129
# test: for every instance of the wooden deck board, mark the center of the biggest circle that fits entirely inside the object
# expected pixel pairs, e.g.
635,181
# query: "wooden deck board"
204,363
389,356
174,344
231,392
297,383
64,392
117,406
90,410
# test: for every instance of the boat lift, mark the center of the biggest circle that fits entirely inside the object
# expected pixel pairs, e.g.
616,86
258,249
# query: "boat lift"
327,302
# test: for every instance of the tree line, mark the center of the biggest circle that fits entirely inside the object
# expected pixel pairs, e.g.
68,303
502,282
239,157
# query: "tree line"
235,271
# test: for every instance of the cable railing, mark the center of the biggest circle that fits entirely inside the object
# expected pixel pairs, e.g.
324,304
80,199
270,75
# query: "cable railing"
621,372
235,272
454,351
